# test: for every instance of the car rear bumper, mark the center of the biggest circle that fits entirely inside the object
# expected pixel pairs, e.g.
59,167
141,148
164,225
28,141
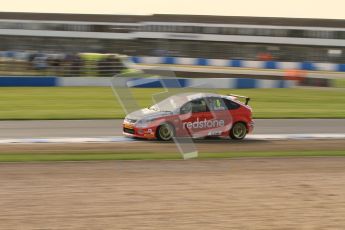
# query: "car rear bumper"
251,126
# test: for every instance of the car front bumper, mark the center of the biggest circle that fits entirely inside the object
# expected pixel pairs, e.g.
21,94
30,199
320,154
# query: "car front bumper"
130,130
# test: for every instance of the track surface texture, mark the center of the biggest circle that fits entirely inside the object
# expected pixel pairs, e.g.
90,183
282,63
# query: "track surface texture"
206,146
92,128
265,193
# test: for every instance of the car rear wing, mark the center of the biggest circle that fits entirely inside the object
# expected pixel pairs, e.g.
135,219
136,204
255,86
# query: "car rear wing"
247,99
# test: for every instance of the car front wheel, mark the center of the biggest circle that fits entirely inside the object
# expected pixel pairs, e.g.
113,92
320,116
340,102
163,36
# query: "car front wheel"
165,132
238,131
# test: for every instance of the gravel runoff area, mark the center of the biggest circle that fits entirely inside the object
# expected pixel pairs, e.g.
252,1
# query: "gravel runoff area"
255,193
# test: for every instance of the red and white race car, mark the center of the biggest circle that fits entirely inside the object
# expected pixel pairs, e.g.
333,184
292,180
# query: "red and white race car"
192,114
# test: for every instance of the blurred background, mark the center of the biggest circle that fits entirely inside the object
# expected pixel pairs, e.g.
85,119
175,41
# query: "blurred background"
94,45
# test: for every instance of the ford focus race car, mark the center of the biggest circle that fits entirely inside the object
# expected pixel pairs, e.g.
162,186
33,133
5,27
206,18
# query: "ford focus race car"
192,114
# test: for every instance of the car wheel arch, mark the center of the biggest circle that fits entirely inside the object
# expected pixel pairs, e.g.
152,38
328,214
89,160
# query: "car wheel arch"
242,122
166,123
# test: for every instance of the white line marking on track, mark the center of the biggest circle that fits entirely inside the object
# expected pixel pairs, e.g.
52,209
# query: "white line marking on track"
310,136
122,139
66,140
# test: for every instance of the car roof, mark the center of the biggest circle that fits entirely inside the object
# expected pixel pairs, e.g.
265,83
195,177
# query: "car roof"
193,95
178,100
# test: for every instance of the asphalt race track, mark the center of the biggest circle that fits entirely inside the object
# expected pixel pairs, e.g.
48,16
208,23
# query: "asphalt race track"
84,135
108,128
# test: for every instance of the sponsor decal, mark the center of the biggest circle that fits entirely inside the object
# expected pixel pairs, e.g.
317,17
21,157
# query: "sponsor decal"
214,133
200,124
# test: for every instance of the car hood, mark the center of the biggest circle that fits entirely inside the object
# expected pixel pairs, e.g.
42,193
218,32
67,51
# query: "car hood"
148,114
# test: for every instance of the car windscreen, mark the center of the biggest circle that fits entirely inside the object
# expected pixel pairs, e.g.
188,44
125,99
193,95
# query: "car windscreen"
169,104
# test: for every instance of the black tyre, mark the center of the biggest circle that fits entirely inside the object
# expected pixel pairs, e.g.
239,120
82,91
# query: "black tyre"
238,131
165,132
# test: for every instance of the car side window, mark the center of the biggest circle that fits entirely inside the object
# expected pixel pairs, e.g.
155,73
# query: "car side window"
231,105
216,104
195,106
199,106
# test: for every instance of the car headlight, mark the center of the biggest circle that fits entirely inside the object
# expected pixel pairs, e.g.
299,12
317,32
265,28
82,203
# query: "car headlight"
129,120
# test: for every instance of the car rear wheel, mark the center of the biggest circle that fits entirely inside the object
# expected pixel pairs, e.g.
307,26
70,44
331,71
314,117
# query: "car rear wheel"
238,131
165,132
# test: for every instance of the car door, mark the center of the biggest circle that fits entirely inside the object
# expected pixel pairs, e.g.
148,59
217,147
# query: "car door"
219,115
193,116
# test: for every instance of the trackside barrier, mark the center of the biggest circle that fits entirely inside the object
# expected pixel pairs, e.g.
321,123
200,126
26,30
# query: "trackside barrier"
219,83
27,81
225,83
309,66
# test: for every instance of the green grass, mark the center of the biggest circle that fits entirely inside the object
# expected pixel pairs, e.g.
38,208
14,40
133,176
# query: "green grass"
30,157
340,83
100,102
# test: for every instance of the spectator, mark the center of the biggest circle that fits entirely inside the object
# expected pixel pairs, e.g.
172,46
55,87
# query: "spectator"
40,62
